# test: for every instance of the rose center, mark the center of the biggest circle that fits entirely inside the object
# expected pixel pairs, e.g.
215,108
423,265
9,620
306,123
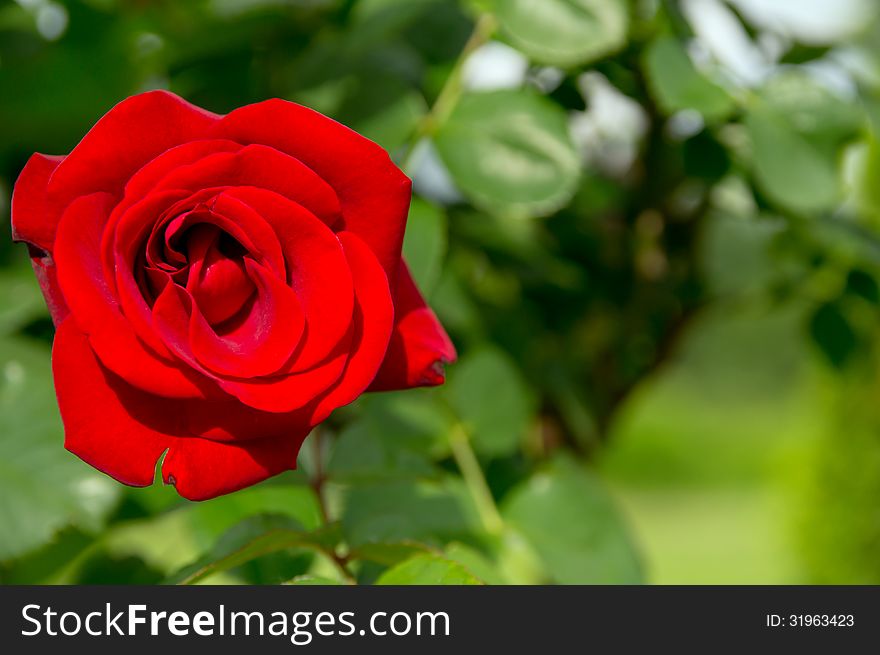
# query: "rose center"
204,259
217,278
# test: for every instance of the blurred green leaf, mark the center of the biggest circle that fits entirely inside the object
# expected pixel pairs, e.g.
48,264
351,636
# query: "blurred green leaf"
363,453
574,526
395,437
677,85
20,299
136,538
798,127
564,32
833,334
517,559
866,173
429,511
476,562
424,244
862,284
212,518
810,107
492,400
789,168
104,569
428,570
510,152
255,537
44,488
47,564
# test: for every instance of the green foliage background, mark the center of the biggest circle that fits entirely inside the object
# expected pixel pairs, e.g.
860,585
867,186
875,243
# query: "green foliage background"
650,226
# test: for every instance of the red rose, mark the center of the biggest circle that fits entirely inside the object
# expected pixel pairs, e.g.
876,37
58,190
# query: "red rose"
219,285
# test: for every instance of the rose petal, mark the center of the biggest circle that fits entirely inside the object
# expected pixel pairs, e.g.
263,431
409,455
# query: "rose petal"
123,432
373,192
81,278
100,413
419,346
149,175
230,420
124,139
318,271
47,278
125,245
219,284
294,391
34,217
259,345
372,321
260,166
201,469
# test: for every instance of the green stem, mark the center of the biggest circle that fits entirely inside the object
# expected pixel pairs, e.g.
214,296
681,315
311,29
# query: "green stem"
452,89
319,477
474,479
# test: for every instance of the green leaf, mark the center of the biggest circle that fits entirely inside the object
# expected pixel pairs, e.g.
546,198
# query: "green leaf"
363,454
44,488
393,439
810,107
476,562
564,32
426,511
210,519
677,85
252,538
866,191
790,169
20,299
574,526
428,570
424,244
137,538
492,400
798,128
832,333
862,284
510,152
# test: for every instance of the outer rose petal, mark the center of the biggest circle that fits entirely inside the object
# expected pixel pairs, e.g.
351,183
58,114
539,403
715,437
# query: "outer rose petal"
96,311
34,221
123,432
374,193
127,137
33,217
373,319
98,427
47,278
419,345
263,167
201,469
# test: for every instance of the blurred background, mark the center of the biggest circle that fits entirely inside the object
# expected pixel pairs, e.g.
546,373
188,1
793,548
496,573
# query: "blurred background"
652,228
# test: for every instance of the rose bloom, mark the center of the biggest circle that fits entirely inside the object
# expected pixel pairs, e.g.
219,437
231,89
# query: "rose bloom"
219,285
